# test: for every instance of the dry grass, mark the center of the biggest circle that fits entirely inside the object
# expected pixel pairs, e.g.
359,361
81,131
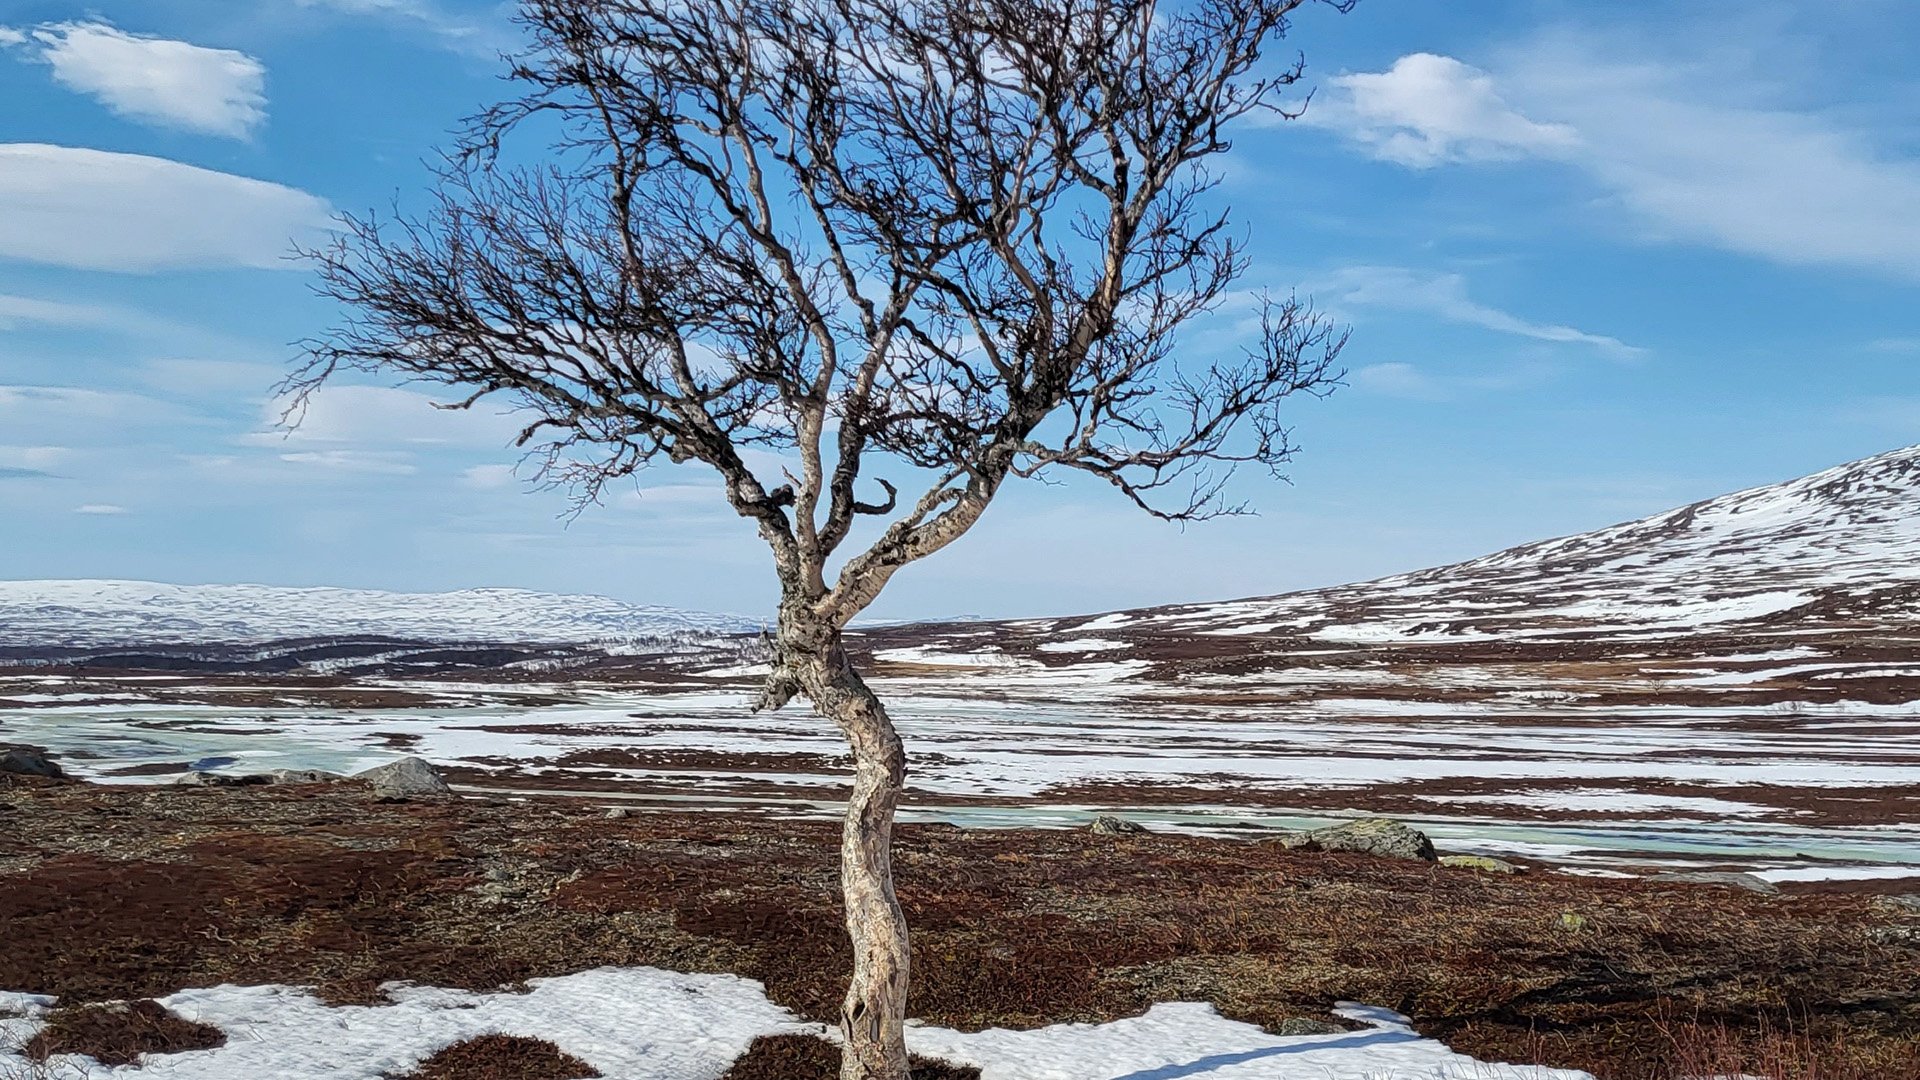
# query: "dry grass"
502,1057
119,1033
1786,1052
806,1057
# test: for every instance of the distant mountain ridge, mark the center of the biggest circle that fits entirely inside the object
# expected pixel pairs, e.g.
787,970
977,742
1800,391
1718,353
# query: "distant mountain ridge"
90,613
1837,552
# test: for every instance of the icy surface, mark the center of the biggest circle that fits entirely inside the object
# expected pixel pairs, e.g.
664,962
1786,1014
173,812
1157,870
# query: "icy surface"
648,1024
86,613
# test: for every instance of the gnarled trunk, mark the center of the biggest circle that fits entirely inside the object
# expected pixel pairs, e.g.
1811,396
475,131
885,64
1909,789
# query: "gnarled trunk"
873,1019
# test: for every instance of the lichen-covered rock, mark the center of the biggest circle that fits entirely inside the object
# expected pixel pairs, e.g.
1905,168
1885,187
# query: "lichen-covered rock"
1894,935
301,776
1716,877
26,761
1370,836
1305,1025
203,778
1486,864
406,778
1115,826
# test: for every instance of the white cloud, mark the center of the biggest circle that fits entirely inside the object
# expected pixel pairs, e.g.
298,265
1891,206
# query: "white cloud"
460,34
10,37
1397,380
383,463
1694,153
37,457
488,477
225,379
385,416
70,415
1445,296
97,210
1427,110
100,510
18,311
156,80
68,403
21,311
30,462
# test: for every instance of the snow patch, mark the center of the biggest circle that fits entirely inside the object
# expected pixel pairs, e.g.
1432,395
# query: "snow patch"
649,1024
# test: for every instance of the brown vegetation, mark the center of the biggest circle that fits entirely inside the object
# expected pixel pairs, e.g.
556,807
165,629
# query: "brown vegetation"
502,1057
807,1057
110,893
117,1033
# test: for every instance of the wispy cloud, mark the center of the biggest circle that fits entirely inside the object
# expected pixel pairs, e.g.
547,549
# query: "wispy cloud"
384,416
1696,154
33,457
488,477
97,210
100,510
460,33
1445,296
153,80
17,312
379,462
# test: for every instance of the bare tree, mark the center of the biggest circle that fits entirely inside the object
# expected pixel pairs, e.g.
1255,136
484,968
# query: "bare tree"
951,239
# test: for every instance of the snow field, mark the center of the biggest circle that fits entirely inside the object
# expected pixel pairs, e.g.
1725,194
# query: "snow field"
649,1024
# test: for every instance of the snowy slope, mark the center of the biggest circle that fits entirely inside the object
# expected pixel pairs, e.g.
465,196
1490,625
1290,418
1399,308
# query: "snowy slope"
122,613
1838,550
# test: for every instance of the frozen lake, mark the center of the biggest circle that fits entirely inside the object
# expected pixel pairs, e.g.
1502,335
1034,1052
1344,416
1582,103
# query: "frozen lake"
1803,794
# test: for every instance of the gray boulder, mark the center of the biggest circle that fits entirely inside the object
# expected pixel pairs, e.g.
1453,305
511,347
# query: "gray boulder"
1367,836
1729,879
1486,864
301,776
1115,826
200,778
406,778
25,761
1306,1025
206,778
1894,935
1908,904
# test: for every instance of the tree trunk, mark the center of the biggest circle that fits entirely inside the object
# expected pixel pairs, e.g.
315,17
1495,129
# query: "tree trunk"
873,1019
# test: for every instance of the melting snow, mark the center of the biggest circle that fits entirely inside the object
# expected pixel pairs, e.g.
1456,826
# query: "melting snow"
648,1024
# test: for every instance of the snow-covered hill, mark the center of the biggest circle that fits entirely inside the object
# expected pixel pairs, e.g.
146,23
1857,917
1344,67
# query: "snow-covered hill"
134,613
1838,547
1832,554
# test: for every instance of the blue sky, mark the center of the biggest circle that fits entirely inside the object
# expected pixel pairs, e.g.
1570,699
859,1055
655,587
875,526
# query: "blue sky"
1600,259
